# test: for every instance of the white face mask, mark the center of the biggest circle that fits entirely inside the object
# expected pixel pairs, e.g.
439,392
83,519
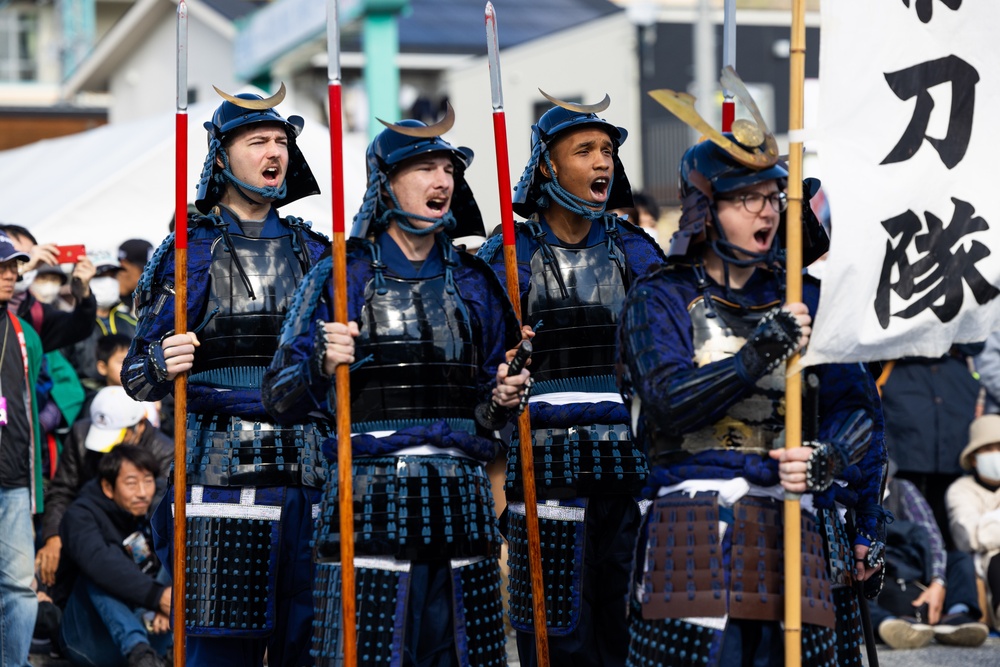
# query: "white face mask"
988,465
22,285
105,291
46,291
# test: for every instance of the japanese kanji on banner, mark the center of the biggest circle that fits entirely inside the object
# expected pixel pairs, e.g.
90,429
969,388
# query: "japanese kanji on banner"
909,147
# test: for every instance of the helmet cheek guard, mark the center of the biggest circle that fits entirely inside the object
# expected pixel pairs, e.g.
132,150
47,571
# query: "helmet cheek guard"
565,116
243,110
406,140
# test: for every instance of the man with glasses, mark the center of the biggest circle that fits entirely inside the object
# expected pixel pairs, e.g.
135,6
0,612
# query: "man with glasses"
20,467
703,343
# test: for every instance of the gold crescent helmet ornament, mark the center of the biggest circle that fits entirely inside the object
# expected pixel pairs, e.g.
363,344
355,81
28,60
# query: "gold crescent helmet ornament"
428,131
755,147
255,105
579,108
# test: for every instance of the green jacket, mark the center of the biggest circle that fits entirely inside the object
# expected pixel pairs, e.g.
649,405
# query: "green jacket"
34,346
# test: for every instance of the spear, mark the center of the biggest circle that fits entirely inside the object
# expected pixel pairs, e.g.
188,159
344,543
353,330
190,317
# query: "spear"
180,326
728,59
513,291
342,379
793,381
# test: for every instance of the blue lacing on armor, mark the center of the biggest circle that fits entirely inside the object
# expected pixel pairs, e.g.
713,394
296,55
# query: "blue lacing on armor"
268,191
554,192
146,279
235,377
223,228
593,384
378,267
487,251
299,305
369,204
462,425
548,257
450,262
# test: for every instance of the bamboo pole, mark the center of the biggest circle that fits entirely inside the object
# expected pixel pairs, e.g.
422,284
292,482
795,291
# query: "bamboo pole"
793,381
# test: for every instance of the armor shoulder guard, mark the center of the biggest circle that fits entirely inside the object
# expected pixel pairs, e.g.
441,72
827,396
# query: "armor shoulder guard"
306,226
482,267
487,252
145,287
304,302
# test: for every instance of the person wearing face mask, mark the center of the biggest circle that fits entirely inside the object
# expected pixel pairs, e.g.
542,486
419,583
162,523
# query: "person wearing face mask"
47,286
974,505
111,318
56,328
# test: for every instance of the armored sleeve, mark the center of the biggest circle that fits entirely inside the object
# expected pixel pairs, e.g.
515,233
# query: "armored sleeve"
676,396
294,384
850,419
143,374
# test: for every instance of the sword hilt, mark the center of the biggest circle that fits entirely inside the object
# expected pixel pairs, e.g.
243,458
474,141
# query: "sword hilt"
491,415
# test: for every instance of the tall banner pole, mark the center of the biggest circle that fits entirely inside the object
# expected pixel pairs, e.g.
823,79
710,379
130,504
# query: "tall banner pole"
513,291
180,326
793,293
342,374
728,59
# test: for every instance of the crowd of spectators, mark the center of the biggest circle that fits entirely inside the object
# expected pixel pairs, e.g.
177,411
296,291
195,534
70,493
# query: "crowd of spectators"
82,464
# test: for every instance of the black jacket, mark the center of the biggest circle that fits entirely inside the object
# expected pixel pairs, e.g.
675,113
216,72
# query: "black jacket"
77,465
56,328
92,532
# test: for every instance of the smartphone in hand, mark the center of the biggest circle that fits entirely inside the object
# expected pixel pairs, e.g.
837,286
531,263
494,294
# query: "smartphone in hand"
70,254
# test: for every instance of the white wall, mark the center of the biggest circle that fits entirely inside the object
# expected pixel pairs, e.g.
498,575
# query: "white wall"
586,62
145,84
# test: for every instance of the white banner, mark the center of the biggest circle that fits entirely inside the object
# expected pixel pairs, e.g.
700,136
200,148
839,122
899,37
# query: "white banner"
909,128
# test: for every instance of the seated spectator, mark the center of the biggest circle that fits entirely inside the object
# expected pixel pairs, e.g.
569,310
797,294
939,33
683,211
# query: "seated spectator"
119,610
928,593
114,419
974,504
56,328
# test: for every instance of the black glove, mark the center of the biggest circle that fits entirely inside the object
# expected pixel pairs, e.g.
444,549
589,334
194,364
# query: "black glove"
775,339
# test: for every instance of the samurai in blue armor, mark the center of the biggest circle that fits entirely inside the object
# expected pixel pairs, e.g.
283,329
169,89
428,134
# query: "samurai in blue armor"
428,329
703,345
576,261
252,485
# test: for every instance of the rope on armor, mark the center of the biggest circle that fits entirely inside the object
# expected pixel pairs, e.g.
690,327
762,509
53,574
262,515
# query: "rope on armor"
548,257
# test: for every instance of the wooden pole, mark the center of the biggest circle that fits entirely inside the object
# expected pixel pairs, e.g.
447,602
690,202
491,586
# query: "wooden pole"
180,326
793,381
513,291
345,487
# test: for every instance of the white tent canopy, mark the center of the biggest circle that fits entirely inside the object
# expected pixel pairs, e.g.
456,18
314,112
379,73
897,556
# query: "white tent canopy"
116,182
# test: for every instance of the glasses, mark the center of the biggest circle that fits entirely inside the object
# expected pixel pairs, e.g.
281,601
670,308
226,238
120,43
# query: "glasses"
753,202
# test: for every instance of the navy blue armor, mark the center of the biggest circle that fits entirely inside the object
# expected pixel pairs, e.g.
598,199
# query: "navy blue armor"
233,446
588,470
429,345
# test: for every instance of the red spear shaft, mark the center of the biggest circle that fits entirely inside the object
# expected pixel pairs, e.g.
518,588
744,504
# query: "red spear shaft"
180,326
342,376
513,291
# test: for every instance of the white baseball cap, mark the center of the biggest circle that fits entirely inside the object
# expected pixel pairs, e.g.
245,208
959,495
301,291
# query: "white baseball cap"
112,413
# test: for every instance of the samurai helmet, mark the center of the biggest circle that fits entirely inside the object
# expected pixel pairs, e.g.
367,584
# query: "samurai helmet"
536,191
394,146
240,111
724,162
